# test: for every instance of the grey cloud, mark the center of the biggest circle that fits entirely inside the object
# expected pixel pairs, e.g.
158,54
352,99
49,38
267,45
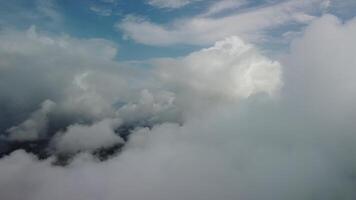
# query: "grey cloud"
87,138
35,127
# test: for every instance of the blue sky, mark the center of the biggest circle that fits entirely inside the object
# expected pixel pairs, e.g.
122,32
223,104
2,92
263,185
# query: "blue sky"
145,29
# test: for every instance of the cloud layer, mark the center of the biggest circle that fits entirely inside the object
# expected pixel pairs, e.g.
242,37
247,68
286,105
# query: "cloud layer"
202,126
206,28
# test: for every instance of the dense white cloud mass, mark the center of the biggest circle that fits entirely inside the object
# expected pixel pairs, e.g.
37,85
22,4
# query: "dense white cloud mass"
232,142
230,70
321,67
71,88
82,137
204,29
218,156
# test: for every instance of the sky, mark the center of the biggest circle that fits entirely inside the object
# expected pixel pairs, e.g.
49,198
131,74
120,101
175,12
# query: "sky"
177,99
140,28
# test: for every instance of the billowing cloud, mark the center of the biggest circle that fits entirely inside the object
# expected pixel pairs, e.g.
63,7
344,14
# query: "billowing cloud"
88,138
78,82
229,69
240,145
36,67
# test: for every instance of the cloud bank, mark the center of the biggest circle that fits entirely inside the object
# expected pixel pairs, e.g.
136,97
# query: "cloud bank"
224,122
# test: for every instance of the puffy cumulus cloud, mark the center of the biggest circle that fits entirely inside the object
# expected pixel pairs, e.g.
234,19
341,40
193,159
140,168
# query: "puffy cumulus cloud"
87,137
85,82
82,79
171,4
80,76
231,69
204,29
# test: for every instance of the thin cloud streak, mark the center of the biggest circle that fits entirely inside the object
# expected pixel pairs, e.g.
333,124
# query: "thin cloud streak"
201,30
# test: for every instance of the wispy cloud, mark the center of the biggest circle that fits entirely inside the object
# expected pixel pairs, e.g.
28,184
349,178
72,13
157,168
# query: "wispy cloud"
101,10
42,12
250,24
224,5
170,4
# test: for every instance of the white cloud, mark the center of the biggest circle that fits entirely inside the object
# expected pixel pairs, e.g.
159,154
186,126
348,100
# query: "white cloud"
231,69
321,68
83,80
150,108
227,154
88,137
224,5
35,67
202,30
35,126
273,149
100,10
172,4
